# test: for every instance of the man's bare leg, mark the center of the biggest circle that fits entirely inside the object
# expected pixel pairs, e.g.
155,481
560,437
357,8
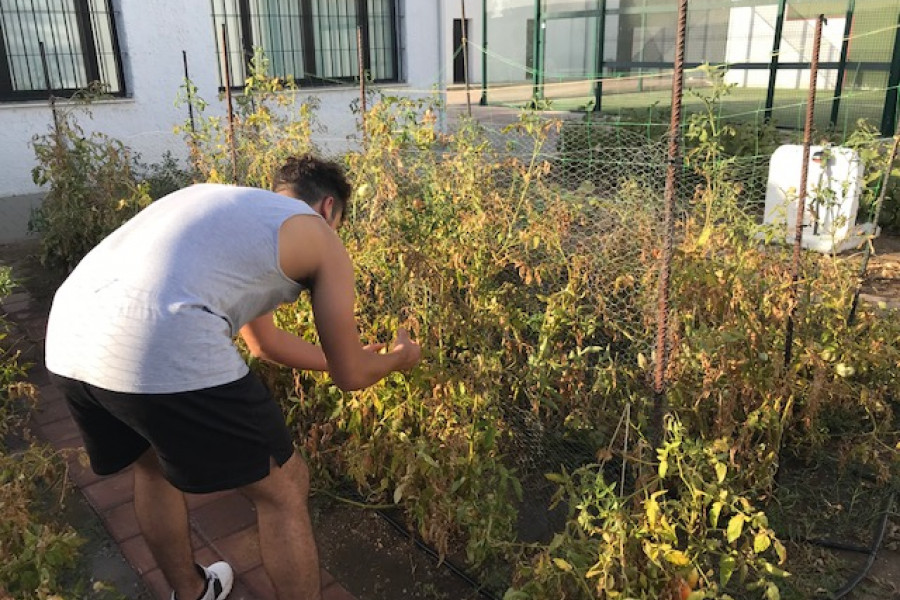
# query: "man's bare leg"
286,539
162,515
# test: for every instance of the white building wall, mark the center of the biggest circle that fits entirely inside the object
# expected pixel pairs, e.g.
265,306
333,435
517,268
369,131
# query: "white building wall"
152,36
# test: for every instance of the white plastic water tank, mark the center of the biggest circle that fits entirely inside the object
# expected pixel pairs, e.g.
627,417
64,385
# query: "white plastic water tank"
834,185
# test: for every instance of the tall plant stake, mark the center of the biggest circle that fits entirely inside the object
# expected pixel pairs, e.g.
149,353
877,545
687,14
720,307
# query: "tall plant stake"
362,80
801,196
187,83
49,87
665,266
226,62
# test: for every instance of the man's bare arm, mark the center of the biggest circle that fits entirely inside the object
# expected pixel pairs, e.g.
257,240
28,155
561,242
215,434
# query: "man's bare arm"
267,341
310,251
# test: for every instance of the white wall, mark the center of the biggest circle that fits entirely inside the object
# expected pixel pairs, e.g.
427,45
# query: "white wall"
152,36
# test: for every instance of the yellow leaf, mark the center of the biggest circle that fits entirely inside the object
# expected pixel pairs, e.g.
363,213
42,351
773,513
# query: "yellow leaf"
704,236
714,513
735,527
678,558
652,512
721,470
563,565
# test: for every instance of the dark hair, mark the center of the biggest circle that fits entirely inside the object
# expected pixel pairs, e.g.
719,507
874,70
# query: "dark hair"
311,179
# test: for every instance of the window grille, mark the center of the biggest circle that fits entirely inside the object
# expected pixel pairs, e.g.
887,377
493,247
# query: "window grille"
314,41
79,43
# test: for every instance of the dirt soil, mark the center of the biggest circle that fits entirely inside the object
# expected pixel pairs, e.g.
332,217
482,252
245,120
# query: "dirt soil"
882,282
370,558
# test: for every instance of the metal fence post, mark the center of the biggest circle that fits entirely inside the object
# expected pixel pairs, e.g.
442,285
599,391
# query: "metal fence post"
538,51
465,56
484,46
889,117
601,40
773,65
842,64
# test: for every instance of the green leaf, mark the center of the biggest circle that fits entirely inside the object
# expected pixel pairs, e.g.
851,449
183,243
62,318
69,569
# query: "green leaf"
555,477
556,542
424,456
772,592
761,542
714,512
726,569
735,527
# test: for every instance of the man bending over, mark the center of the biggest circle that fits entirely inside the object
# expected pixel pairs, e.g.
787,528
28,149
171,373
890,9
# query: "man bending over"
140,341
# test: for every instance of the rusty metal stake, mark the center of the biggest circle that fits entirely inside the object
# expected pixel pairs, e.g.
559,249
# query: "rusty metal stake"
801,196
673,169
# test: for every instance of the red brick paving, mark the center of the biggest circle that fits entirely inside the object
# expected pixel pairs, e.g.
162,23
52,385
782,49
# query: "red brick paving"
122,522
223,524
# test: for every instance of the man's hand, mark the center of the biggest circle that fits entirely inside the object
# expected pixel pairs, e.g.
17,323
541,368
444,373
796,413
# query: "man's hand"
407,350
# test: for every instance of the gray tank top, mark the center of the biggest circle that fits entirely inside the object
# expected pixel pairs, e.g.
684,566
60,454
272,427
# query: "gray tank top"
155,306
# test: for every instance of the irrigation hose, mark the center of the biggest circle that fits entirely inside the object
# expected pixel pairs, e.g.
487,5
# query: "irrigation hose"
360,502
832,544
432,553
873,553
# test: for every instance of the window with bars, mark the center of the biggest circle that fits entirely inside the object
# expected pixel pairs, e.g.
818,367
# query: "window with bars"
57,47
315,41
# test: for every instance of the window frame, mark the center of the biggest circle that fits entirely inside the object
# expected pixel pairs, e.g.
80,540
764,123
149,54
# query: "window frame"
306,25
85,19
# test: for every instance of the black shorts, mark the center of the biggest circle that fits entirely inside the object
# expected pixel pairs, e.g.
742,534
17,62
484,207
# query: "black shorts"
207,440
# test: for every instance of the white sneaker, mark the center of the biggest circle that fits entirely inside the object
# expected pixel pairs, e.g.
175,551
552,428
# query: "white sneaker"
219,579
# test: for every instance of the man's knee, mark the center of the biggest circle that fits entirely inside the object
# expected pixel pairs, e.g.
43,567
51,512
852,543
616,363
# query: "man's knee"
284,485
147,466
